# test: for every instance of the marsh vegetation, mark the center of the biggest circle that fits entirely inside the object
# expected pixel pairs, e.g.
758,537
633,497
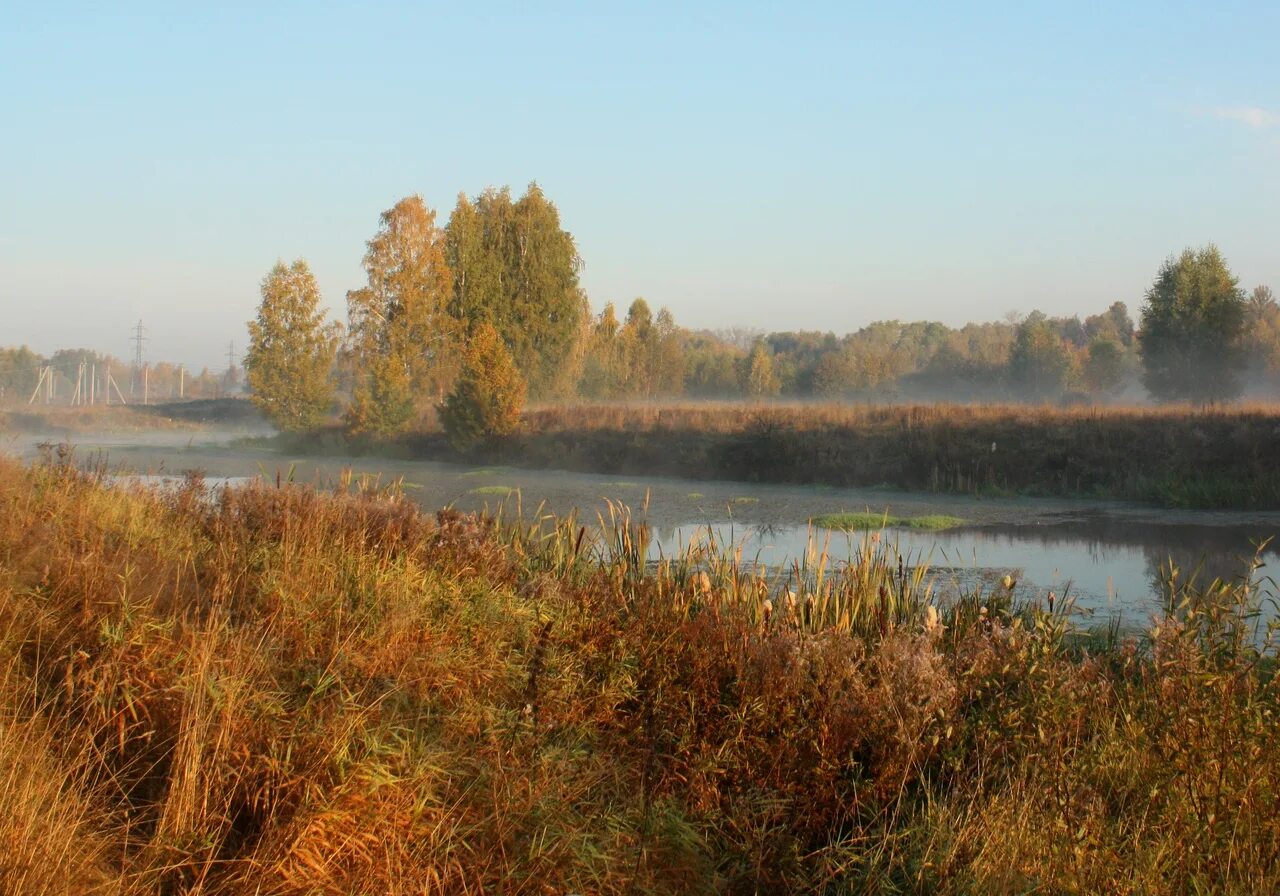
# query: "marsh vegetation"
274,690
1177,456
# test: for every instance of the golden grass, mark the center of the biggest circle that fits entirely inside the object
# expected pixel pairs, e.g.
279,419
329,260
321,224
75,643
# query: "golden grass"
1174,455
275,691
735,416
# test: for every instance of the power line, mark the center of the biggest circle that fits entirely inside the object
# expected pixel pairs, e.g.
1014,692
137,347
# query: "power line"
138,339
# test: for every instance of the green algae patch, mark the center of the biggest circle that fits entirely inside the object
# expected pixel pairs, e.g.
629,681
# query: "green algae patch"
503,490
851,522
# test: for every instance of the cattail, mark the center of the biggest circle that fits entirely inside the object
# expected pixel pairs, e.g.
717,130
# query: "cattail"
1052,598
768,610
932,624
791,606
1009,582
703,582
809,603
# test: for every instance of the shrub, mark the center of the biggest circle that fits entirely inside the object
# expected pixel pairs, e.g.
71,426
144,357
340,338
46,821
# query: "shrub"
490,392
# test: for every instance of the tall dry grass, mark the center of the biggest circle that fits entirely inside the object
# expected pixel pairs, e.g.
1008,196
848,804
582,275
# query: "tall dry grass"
275,691
734,416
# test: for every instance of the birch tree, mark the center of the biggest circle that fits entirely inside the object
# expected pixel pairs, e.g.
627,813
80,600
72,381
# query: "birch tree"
289,362
404,339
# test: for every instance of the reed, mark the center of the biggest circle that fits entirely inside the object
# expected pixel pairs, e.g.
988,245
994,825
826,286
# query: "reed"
274,690
1177,455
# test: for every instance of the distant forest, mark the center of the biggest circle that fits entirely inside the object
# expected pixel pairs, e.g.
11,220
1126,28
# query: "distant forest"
508,264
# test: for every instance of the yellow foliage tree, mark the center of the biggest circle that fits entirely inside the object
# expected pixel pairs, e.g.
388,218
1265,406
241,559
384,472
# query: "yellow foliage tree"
403,338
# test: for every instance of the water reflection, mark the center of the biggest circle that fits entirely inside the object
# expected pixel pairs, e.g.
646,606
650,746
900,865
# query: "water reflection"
1110,567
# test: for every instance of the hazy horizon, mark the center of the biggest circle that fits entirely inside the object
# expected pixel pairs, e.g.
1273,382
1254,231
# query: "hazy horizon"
743,167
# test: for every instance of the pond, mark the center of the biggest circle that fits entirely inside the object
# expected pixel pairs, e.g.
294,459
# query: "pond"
1108,556
1109,569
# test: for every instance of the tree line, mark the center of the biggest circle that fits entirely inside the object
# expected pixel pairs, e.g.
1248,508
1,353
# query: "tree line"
470,317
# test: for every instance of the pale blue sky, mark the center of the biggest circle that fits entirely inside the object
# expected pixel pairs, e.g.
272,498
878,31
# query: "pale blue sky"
779,166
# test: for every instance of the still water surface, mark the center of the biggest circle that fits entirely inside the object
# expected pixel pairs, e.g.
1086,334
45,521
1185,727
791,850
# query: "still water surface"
1107,569
1108,555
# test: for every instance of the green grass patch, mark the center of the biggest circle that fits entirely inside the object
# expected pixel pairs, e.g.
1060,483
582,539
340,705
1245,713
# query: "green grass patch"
503,490
850,522
487,471
746,500
695,496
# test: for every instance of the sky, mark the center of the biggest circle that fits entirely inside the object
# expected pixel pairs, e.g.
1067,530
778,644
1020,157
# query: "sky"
774,166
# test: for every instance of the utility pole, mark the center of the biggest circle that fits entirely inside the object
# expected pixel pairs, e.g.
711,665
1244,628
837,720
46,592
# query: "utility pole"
112,384
44,372
138,339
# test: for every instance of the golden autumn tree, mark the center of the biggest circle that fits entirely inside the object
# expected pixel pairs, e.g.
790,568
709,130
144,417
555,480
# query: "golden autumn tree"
489,394
758,377
403,341
289,363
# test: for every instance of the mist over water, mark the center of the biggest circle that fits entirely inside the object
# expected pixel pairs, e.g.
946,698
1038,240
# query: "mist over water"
1107,556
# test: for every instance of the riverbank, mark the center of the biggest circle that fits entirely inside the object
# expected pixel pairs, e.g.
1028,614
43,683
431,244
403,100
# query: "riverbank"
285,691
69,421
1171,456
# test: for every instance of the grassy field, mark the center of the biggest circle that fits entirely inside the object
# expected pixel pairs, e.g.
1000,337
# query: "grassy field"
275,691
